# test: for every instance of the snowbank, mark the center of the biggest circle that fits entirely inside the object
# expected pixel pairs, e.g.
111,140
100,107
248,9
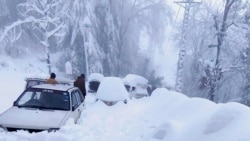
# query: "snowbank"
96,77
164,116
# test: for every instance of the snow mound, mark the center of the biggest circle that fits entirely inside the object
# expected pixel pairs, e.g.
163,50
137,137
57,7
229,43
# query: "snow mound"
112,89
95,77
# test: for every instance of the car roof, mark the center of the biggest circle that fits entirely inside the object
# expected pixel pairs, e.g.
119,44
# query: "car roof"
59,87
59,80
133,79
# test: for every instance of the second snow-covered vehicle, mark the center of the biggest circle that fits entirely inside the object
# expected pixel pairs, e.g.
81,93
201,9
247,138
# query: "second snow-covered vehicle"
94,81
136,85
43,107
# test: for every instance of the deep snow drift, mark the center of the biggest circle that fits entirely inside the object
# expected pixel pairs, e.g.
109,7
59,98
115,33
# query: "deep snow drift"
165,116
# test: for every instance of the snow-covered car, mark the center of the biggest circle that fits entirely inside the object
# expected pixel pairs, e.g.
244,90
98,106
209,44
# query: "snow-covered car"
37,81
136,85
34,81
43,107
111,91
94,81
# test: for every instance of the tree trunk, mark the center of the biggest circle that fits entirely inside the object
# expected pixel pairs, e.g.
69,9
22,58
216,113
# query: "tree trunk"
221,32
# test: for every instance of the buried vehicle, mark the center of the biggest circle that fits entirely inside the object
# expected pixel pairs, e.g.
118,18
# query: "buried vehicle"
94,81
43,107
136,85
111,91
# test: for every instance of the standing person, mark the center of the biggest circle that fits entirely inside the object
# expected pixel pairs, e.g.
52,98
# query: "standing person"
52,79
80,83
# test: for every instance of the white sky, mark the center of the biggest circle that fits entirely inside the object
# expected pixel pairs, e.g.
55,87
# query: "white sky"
165,116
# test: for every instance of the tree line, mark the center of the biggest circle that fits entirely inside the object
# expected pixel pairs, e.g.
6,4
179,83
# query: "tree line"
106,36
217,64
111,33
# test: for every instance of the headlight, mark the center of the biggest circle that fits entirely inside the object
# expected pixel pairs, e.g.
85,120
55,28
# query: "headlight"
2,129
53,130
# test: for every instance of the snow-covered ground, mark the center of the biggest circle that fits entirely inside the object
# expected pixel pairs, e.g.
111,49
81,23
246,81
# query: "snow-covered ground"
165,116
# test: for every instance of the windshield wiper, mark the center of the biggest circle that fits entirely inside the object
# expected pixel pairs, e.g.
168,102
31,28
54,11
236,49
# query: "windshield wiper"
26,106
33,106
58,108
41,107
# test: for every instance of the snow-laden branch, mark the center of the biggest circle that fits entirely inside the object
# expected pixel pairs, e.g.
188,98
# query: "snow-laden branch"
26,8
51,33
15,24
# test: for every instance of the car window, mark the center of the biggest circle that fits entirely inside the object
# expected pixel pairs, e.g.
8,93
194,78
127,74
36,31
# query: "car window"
56,100
74,100
79,96
34,82
127,87
29,95
43,98
31,83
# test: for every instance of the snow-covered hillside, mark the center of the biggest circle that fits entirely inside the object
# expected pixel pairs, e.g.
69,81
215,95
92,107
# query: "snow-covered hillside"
165,116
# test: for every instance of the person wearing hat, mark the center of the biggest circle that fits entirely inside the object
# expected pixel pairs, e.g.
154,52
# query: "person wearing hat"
52,79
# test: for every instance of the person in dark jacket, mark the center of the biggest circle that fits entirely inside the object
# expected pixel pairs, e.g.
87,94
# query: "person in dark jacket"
52,79
80,83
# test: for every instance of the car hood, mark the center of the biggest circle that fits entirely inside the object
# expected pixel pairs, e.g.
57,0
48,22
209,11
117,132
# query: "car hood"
31,118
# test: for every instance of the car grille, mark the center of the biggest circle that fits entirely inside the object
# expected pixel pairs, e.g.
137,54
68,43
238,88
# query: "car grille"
29,130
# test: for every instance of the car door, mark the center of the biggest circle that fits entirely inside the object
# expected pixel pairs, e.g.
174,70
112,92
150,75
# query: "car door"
76,105
80,99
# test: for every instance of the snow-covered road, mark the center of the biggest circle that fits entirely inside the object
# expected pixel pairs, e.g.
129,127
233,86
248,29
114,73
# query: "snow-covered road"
165,116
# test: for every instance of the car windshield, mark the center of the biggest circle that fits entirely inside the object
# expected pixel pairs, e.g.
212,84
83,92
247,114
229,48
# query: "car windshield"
44,99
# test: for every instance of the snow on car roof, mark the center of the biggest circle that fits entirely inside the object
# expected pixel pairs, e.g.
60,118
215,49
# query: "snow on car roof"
37,76
133,79
95,76
59,87
59,80
112,89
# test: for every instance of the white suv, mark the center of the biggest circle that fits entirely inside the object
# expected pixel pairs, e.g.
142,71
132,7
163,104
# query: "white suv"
43,107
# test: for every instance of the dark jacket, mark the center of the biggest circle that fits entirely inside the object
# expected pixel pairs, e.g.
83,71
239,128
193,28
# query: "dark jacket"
80,83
